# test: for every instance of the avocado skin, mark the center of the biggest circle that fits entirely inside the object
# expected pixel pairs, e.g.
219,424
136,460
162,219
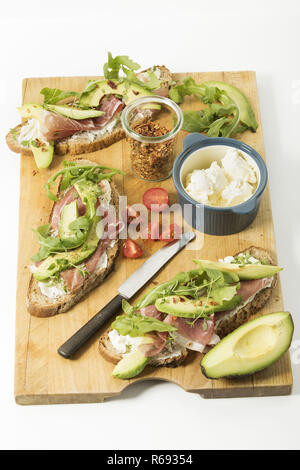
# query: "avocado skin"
258,369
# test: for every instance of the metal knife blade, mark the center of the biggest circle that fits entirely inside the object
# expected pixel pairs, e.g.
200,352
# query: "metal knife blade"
126,291
152,265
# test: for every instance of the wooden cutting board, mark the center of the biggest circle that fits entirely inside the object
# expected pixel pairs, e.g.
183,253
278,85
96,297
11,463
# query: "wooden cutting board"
41,375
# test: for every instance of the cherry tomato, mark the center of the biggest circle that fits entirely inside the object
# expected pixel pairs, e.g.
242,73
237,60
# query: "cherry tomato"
171,234
151,231
156,199
131,249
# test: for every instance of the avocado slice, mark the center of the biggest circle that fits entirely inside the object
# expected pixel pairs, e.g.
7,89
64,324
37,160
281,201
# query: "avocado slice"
61,261
30,110
244,272
74,113
246,113
42,153
181,306
251,347
129,92
131,365
68,215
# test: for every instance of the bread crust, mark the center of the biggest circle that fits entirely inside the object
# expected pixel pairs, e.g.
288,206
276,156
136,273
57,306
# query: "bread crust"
40,305
227,325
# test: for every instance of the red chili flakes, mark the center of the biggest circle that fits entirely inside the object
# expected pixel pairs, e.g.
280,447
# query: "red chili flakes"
151,161
111,84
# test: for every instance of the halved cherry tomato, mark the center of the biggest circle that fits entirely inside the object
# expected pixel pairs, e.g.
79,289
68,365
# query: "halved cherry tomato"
131,249
156,199
151,231
171,234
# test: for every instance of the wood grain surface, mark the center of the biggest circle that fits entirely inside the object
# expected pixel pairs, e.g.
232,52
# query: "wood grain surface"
44,377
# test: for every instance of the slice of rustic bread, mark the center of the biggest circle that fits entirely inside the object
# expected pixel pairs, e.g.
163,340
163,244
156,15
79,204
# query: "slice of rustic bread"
40,305
243,314
81,142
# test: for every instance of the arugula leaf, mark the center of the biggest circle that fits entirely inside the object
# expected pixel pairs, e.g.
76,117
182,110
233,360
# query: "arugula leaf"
113,65
134,324
187,87
174,286
54,95
73,172
25,143
48,244
215,128
151,84
127,308
220,118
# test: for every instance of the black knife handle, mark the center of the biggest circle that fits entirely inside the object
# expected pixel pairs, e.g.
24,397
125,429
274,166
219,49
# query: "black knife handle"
90,328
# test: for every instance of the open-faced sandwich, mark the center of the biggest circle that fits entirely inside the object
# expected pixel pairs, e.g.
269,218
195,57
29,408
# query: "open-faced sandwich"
80,243
81,122
193,311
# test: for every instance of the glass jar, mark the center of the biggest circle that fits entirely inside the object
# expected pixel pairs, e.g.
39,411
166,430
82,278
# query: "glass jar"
152,124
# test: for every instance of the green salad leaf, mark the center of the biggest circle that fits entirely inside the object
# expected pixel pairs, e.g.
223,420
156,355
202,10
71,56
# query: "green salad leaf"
73,172
122,63
187,87
112,67
179,285
54,95
221,118
86,177
135,324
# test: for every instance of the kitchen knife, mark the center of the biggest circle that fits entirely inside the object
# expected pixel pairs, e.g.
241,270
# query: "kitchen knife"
127,290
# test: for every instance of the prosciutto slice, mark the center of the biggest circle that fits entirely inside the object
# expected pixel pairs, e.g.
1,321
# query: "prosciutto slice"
158,344
72,277
247,290
110,105
70,196
54,126
151,311
201,331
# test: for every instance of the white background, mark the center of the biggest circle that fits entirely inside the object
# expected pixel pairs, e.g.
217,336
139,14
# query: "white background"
60,38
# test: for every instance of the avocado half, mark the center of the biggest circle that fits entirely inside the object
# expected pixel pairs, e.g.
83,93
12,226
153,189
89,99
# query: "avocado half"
251,347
